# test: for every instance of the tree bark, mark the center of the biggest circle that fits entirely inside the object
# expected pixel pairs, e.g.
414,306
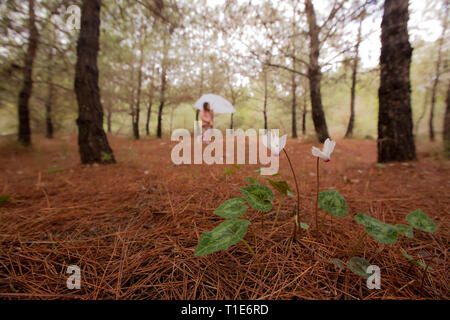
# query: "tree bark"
446,134
265,99
149,112
437,74
315,74
351,121
92,141
25,93
162,95
304,114
50,92
395,129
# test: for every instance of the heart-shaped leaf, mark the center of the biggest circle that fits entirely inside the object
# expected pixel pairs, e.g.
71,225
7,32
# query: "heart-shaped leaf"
338,263
304,225
281,186
405,230
258,196
416,262
382,232
222,237
420,221
251,180
359,266
4,199
232,208
333,202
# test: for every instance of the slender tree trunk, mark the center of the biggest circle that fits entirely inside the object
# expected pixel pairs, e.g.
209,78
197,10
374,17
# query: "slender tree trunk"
162,95
27,88
351,122
92,140
138,102
294,107
395,129
108,119
265,99
437,74
149,112
50,93
422,115
294,78
231,122
304,112
446,134
315,74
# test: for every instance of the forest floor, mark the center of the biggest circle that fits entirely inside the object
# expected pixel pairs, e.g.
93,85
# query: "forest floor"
133,227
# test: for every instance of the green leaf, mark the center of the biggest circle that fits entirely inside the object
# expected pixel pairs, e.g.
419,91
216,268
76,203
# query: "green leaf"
333,202
381,166
227,171
420,221
258,196
304,225
338,263
281,186
251,180
4,199
405,230
222,237
236,166
382,232
359,266
257,170
53,170
231,208
416,262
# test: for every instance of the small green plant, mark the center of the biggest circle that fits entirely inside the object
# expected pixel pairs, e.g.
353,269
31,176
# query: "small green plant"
227,172
325,155
333,203
54,170
4,199
259,197
234,228
106,157
283,188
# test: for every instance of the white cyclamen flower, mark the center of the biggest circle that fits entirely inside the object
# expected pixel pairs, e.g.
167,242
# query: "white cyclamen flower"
274,143
328,148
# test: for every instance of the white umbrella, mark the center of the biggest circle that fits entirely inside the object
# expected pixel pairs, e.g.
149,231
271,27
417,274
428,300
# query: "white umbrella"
217,103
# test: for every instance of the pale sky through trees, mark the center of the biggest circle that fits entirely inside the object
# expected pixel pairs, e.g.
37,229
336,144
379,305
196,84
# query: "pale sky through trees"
420,25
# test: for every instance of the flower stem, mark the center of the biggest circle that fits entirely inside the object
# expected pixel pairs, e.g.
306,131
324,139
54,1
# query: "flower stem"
317,196
278,210
298,192
252,253
361,238
322,221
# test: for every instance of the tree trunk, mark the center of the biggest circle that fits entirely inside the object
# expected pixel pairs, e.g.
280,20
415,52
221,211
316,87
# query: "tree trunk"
162,95
50,93
265,99
315,74
395,129
25,93
351,121
231,122
149,112
294,107
447,124
108,119
304,113
437,74
138,102
92,141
